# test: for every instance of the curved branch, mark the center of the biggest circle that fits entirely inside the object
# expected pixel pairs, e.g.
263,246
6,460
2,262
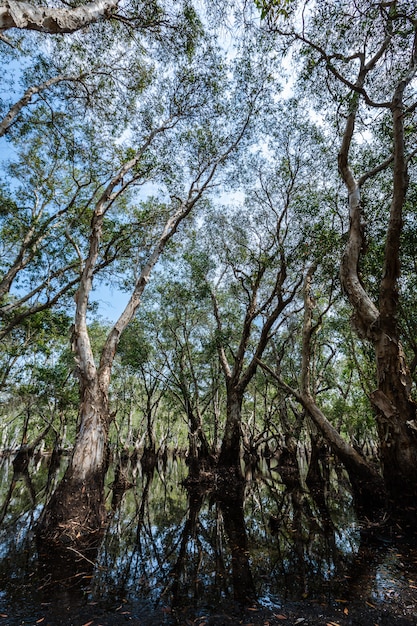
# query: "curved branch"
358,86
378,168
27,97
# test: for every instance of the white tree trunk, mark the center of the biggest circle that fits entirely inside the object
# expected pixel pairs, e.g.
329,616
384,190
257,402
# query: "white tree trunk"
89,454
14,14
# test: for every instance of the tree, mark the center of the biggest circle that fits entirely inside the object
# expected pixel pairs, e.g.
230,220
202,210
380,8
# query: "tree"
137,389
260,245
367,59
80,96
203,142
260,311
183,333
59,164
37,387
367,485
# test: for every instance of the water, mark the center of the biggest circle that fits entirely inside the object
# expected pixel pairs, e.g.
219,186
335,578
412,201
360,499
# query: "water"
267,554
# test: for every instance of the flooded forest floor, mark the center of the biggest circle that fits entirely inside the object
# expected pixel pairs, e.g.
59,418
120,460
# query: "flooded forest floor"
268,553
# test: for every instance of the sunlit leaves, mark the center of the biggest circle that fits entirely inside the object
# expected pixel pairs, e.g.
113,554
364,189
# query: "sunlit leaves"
275,7
134,349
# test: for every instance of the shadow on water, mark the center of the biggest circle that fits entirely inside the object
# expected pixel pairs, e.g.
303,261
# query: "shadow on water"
269,551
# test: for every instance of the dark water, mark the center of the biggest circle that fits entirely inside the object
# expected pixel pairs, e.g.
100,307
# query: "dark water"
266,554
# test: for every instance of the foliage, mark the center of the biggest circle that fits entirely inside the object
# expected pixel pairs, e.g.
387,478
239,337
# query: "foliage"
160,87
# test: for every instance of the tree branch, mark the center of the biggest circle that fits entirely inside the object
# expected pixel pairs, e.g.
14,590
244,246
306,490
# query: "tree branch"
23,15
27,97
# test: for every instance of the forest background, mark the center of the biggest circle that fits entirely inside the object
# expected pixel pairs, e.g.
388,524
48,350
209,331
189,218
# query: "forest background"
244,173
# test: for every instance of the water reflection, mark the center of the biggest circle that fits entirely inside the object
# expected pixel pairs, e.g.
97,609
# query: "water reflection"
171,554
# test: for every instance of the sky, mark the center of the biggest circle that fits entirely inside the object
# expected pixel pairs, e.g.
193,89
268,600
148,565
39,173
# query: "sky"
111,302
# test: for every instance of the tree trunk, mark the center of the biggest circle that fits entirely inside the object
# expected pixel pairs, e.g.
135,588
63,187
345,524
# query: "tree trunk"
199,458
397,443
31,17
76,512
149,456
394,408
367,484
230,449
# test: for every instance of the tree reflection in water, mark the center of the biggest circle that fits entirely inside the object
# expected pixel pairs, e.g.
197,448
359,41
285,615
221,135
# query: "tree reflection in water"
170,554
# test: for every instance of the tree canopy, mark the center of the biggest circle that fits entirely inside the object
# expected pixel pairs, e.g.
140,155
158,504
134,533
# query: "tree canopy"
242,177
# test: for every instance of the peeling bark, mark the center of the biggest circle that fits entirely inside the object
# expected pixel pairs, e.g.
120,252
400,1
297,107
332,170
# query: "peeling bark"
76,512
23,15
394,407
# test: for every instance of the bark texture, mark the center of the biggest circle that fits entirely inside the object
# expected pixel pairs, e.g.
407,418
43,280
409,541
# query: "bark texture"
76,512
23,15
394,408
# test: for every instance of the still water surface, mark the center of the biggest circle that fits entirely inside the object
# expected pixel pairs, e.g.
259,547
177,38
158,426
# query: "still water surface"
267,554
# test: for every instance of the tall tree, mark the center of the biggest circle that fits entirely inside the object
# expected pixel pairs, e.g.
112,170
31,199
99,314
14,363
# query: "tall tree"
367,59
260,246
183,334
197,127
367,484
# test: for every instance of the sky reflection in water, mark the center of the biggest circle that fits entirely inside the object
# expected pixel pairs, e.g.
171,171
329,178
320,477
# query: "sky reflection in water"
170,552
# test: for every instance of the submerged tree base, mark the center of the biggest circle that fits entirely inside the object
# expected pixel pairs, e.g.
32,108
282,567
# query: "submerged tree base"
75,515
215,478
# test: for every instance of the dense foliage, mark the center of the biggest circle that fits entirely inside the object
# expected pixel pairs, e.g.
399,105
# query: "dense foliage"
196,179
